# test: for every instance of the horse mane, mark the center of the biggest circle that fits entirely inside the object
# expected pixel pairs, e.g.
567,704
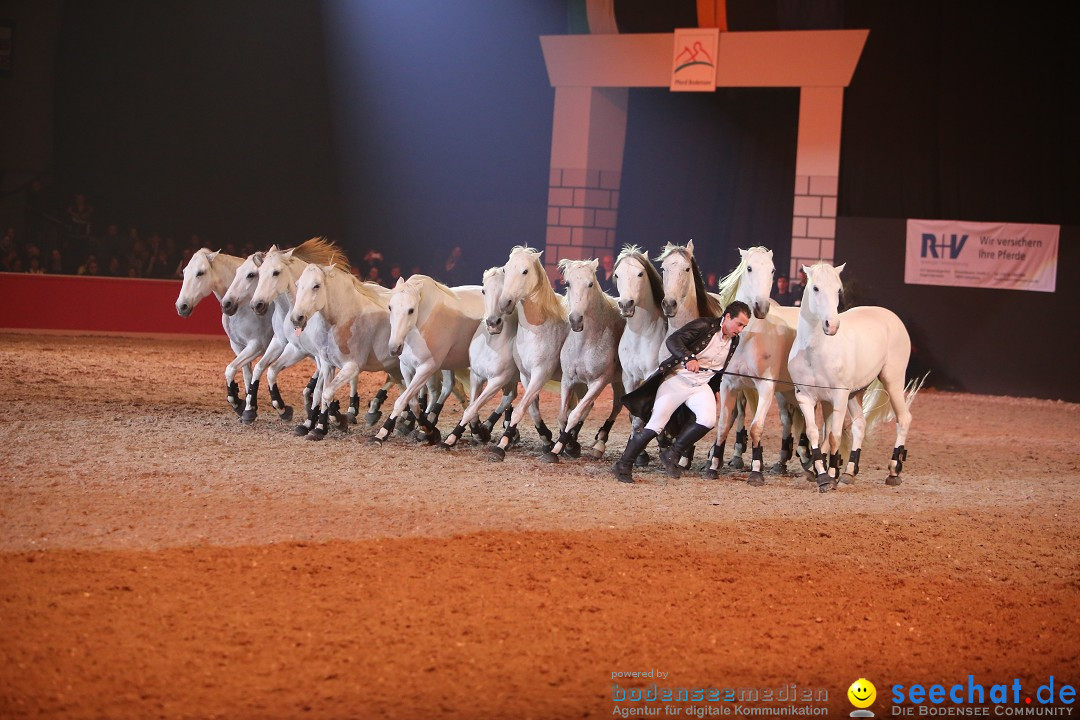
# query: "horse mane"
552,305
492,271
656,283
322,251
708,306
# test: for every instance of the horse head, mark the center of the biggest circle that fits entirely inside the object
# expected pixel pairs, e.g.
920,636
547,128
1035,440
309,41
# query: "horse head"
310,295
676,266
523,274
636,281
580,279
275,276
404,312
821,296
493,286
243,284
198,281
756,282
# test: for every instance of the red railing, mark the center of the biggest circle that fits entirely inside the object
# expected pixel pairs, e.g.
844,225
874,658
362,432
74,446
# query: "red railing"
101,304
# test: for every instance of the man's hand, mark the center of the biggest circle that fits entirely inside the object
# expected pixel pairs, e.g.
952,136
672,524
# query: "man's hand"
692,365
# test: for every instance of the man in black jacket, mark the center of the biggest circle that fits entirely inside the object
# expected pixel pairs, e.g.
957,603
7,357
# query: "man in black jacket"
700,350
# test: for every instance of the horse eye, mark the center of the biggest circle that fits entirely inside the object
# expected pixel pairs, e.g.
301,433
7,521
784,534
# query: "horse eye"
524,272
483,292
591,284
641,274
316,286
615,276
200,273
686,270
412,310
815,288
251,275
276,273
749,269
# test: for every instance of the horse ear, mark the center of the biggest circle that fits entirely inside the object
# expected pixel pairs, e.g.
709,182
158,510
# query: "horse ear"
274,248
806,270
328,268
213,256
257,258
400,282
690,246
742,253
288,253
595,264
840,268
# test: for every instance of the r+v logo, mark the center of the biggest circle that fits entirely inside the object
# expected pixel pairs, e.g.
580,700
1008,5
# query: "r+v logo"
935,248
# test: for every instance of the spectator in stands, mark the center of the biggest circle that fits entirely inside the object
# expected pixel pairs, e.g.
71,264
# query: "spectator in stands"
395,273
454,270
81,215
115,268
110,244
373,275
90,267
157,263
55,265
603,272
797,287
780,293
35,267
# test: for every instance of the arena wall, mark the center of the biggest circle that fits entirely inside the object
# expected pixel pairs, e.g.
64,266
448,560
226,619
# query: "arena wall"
100,305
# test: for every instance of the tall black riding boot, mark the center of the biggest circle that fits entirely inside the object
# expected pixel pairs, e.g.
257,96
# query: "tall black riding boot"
624,466
669,459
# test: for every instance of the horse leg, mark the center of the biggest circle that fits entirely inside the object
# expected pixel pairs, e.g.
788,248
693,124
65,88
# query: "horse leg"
740,433
858,432
711,469
894,385
834,429
504,410
757,431
243,357
565,392
534,385
243,361
419,380
600,440
808,406
354,399
489,389
787,444
320,409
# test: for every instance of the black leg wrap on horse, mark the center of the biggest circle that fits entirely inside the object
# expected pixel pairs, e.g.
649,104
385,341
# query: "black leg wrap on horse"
509,414
804,441
354,405
233,392
899,454
493,418
458,431
787,445
757,457
602,433
566,437
312,383
543,432
380,397
275,397
388,426
436,409
253,395
740,440
854,459
834,461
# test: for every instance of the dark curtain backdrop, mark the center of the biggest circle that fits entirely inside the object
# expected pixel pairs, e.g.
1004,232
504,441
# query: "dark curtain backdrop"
717,168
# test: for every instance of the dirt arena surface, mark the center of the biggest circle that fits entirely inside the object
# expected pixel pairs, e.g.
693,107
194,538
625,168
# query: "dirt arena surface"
159,559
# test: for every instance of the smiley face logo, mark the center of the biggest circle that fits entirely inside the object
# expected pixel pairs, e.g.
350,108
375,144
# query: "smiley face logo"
862,693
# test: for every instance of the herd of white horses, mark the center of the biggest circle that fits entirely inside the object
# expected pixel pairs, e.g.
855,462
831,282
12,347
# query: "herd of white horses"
430,340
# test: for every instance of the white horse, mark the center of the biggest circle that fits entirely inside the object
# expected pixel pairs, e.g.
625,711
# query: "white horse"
641,291
358,327
589,357
759,368
834,358
431,328
542,330
249,335
491,364
276,290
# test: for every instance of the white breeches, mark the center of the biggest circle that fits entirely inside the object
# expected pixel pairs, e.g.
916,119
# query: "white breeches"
676,390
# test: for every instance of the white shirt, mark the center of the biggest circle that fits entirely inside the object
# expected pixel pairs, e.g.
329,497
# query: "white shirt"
711,360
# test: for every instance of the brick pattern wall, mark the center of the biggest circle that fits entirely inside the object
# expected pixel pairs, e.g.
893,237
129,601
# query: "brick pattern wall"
813,230
583,207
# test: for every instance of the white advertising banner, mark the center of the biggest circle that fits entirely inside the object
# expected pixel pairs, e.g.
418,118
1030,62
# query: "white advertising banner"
1003,256
693,68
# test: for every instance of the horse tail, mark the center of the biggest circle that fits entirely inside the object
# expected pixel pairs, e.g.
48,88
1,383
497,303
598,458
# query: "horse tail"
464,377
553,386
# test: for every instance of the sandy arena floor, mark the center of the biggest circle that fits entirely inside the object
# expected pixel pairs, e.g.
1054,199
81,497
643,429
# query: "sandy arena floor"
159,559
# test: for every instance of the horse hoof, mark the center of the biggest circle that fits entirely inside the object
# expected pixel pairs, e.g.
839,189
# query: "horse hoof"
405,430
847,479
547,447
810,475
736,462
594,454
806,464
352,418
375,440
496,454
482,433
315,435
287,413
827,487
779,469
372,418
301,430
238,409
642,460
444,446
433,437
755,479
248,417
549,457
572,450
709,474
893,480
